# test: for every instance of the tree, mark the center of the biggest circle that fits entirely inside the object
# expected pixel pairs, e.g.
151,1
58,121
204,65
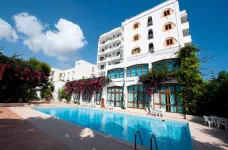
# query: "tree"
189,77
42,66
62,94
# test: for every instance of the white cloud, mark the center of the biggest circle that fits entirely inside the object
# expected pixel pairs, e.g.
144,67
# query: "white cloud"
7,32
61,43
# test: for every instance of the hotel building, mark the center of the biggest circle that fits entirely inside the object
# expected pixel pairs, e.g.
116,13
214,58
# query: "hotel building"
132,49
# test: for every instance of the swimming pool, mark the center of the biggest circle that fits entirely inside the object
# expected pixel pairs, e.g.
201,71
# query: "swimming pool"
170,135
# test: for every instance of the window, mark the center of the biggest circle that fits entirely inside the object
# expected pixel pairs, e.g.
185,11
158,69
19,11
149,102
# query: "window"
102,66
168,26
136,37
150,21
170,64
135,50
114,96
167,12
151,47
73,76
101,58
137,97
137,70
118,53
169,41
76,97
136,25
87,96
150,34
116,73
97,98
167,97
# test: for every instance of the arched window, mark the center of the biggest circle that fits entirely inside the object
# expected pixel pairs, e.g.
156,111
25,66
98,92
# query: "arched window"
151,47
136,37
136,50
150,21
136,25
150,34
170,41
168,26
167,12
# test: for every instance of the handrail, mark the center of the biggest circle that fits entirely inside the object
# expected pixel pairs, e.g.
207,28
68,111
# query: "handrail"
136,138
151,138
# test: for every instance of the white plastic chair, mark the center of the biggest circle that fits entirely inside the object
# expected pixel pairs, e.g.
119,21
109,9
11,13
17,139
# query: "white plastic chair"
162,112
209,120
147,110
154,112
222,121
112,106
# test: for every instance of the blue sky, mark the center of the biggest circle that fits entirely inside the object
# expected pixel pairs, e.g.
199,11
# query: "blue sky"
208,26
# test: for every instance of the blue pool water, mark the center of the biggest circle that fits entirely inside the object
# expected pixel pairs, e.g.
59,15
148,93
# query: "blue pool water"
170,135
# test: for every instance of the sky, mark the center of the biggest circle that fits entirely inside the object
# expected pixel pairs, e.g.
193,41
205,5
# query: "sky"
61,32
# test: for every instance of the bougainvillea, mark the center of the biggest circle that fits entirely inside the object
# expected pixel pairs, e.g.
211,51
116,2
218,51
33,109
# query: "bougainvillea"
87,86
18,78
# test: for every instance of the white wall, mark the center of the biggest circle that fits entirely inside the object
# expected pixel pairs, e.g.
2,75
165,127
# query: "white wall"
81,70
158,23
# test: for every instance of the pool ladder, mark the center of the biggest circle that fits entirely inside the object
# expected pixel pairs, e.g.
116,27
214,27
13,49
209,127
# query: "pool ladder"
151,140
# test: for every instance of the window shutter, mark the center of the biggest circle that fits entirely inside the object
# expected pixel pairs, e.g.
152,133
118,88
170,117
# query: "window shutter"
132,51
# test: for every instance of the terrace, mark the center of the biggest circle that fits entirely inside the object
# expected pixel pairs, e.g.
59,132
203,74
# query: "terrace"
65,135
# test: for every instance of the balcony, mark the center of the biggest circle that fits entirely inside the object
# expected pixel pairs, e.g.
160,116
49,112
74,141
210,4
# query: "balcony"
111,40
150,23
188,39
185,25
107,59
109,50
150,37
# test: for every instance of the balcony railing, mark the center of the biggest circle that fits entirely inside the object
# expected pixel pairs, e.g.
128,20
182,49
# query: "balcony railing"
111,39
150,36
150,23
110,49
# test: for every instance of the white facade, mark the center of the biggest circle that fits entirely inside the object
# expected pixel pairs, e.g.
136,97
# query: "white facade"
170,31
82,69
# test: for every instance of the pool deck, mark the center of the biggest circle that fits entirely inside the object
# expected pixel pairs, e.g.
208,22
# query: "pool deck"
82,138
73,136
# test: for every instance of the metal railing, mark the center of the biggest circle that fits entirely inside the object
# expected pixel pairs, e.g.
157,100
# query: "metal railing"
151,142
138,133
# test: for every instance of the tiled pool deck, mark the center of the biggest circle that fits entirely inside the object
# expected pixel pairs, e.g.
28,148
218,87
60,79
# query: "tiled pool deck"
83,138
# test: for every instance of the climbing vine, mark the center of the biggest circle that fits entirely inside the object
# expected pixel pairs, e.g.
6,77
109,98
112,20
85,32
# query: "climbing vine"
86,86
189,77
162,71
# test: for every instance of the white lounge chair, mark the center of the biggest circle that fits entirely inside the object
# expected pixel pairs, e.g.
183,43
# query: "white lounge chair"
147,110
162,112
93,105
109,106
209,120
154,112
